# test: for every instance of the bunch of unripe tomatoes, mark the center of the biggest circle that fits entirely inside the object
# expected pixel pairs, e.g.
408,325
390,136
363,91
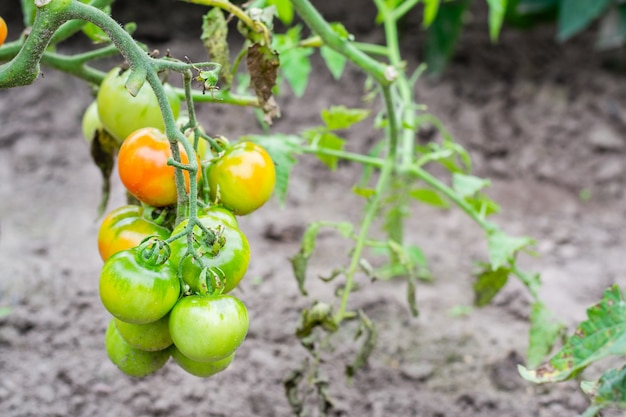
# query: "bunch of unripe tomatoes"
166,283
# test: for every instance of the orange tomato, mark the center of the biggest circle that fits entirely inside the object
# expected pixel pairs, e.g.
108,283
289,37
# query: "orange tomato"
3,31
143,169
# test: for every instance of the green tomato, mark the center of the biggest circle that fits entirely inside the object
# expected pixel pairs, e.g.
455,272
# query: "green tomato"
150,336
242,179
136,292
200,369
131,361
208,328
121,114
221,213
227,261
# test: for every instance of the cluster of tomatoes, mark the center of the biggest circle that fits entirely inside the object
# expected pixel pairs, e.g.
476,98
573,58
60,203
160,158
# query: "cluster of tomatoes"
166,285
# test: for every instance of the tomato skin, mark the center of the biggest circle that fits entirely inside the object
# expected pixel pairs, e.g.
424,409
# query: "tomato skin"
200,369
230,263
131,361
243,178
143,169
208,328
121,113
149,337
223,214
124,228
4,31
135,292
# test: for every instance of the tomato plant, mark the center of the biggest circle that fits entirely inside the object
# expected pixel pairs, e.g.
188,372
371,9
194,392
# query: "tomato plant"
91,122
243,178
143,168
121,113
135,291
208,328
149,336
200,369
226,257
124,228
131,361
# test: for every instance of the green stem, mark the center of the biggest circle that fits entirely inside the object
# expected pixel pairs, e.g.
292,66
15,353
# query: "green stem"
373,204
382,73
70,28
348,156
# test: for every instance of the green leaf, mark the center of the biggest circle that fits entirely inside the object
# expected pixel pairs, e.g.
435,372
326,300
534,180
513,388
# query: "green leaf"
294,61
335,61
607,392
576,15
483,205
497,9
299,261
323,139
488,284
428,196
443,34
543,333
341,117
601,335
468,185
282,149
367,327
431,7
284,10
503,248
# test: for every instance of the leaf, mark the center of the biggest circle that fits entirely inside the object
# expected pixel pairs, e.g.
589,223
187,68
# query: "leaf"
319,315
467,185
543,333
341,117
215,40
284,10
576,15
323,139
443,34
497,9
483,205
503,248
263,64
300,260
488,284
608,391
428,196
431,7
367,327
103,150
612,30
335,62
601,335
294,60
282,149
4,311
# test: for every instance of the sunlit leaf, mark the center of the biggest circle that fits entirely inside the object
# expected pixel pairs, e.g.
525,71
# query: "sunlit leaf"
335,61
443,33
284,10
607,392
497,9
341,117
602,334
431,7
503,248
467,185
294,60
428,196
323,139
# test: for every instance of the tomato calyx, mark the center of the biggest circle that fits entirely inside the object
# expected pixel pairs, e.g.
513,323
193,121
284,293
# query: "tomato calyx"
153,252
213,280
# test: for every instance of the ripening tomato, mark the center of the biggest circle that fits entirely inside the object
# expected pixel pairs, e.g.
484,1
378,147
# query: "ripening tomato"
4,31
228,259
200,369
121,113
208,328
143,169
149,336
135,291
131,361
222,213
124,228
243,178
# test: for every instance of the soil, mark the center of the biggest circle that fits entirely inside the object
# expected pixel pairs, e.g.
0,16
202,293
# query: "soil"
544,121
